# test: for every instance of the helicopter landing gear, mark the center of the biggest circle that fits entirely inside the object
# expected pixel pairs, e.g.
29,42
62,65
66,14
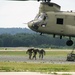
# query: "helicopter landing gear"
69,43
40,33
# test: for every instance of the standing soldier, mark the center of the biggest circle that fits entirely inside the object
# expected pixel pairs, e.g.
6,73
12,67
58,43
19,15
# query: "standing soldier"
35,51
29,52
41,53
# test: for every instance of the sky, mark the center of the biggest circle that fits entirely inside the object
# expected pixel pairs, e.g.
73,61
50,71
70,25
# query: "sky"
17,13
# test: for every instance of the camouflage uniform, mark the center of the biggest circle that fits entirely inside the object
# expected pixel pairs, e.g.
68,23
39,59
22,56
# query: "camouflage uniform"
35,53
41,53
29,51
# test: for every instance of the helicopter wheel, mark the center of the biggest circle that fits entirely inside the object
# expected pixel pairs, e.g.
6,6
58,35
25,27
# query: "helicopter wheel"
69,43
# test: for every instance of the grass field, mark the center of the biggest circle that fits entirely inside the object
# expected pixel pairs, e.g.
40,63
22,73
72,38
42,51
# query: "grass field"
22,51
34,67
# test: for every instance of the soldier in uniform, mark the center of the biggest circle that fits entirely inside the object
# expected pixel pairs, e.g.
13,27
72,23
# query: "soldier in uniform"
41,53
29,52
35,51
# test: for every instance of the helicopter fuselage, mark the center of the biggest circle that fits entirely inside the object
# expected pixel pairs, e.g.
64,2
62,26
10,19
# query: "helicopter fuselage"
51,20
59,23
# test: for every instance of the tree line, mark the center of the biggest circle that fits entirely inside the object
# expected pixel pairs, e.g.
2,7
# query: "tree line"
15,30
29,40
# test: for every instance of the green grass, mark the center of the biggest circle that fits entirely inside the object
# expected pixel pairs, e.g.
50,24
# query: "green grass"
23,53
35,67
20,53
66,74
57,53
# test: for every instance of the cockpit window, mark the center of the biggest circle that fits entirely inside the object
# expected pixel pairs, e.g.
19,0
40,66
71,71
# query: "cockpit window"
41,16
37,16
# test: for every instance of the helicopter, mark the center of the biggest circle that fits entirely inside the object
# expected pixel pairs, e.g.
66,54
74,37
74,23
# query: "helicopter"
50,20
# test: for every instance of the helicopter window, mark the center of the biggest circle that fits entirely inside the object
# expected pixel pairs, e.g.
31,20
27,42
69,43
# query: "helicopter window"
37,16
59,20
41,16
44,18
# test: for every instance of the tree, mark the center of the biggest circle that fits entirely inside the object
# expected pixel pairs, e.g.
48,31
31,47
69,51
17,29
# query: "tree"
1,42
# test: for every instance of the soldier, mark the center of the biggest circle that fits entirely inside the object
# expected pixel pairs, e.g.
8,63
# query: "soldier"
29,51
35,51
41,53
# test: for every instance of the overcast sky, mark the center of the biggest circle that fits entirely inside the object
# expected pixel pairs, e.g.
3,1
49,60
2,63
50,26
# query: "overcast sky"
16,13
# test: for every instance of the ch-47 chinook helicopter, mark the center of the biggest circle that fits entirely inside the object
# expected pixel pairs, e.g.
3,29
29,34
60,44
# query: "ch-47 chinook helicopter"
51,20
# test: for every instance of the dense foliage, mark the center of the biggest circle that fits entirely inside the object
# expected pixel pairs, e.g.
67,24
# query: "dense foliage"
15,30
30,40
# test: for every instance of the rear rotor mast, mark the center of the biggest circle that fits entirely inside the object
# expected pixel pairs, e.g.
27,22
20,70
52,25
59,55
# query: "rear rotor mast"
44,0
